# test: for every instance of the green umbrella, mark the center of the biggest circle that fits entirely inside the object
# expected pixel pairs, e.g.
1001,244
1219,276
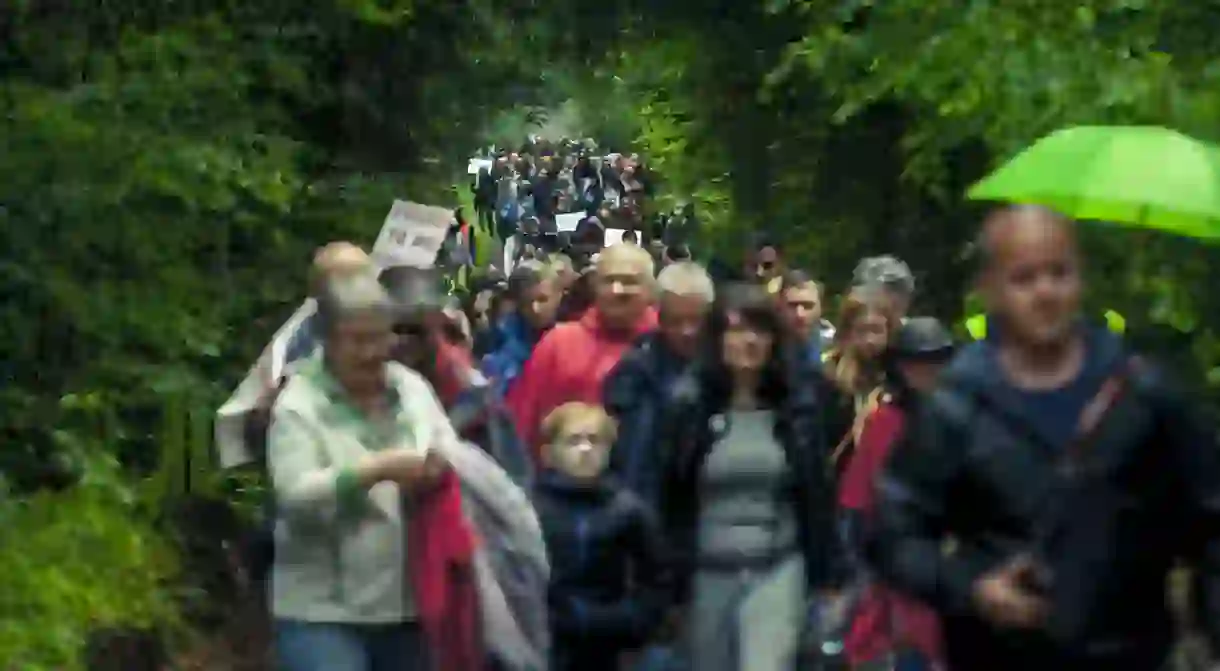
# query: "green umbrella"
1141,175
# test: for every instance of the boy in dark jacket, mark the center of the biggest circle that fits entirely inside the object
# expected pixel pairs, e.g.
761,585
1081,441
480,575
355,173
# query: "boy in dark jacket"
609,581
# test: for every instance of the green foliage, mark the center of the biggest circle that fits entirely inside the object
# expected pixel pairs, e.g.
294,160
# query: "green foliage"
77,562
168,170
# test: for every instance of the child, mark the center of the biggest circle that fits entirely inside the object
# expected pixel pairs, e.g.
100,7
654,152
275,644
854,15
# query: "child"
609,583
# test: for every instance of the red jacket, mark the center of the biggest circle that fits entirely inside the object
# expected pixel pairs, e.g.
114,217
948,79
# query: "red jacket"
569,364
440,565
884,620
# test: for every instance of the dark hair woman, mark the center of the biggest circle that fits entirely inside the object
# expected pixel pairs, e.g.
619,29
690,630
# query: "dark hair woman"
745,490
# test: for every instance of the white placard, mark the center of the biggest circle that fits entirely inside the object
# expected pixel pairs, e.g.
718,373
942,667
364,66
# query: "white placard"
614,236
477,164
568,222
411,235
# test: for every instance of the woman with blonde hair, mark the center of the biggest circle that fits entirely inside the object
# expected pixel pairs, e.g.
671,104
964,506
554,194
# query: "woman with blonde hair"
852,366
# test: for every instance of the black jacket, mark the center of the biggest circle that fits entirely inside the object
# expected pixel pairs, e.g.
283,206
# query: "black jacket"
610,582
976,469
689,439
636,393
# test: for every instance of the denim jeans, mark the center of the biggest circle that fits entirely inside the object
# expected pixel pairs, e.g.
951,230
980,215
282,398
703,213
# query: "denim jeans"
318,646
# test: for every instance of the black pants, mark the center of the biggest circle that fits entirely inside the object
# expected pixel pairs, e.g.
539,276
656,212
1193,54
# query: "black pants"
486,218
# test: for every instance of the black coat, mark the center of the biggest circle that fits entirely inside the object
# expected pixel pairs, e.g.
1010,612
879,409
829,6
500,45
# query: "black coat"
977,468
610,581
689,439
636,393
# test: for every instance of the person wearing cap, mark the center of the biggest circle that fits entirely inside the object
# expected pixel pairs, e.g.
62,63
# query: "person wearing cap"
890,274
885,623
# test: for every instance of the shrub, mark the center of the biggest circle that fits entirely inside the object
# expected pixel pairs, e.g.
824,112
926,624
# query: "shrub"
77,562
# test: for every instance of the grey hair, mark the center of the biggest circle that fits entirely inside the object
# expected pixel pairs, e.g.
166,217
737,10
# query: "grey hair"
886,271
687,278
344,297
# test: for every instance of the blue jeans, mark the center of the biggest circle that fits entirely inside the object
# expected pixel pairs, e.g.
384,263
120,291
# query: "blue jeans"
318,646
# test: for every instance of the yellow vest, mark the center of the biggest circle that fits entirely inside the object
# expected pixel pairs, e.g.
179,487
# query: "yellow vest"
976,325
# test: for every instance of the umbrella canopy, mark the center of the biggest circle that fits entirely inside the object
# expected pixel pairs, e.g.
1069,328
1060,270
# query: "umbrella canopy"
1140,175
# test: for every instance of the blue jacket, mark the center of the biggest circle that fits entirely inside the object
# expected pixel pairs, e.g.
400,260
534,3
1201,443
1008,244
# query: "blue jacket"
636,393
515,342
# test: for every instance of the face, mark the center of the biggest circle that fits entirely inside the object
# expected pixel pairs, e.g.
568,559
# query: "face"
746,348
920,375
1034,282
899,300
357,350
870,334
682,319
580,450
803,309
766,263
567,276
622,293
539,305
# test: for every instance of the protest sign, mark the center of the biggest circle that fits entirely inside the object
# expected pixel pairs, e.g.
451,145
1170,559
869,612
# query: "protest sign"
569,221
614,236
477,164
411,235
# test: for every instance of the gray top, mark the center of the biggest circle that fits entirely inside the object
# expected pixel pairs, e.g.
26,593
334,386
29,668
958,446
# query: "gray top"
744,519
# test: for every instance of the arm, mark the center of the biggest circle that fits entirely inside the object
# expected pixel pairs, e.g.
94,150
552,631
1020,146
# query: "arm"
913,514
305,485
1198,466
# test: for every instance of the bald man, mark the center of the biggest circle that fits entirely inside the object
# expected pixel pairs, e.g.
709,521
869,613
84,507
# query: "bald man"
573,359
332,261
1069,475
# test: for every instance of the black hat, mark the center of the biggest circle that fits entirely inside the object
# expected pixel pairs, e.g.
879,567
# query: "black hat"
415,288
923,338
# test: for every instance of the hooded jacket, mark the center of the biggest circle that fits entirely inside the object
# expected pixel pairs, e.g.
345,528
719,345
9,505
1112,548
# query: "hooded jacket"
569,364
515,342
980,467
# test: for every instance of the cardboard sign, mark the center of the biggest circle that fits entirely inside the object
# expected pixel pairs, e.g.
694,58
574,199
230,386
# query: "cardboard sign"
411,235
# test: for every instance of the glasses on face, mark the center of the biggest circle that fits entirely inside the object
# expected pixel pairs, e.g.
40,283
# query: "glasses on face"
579,440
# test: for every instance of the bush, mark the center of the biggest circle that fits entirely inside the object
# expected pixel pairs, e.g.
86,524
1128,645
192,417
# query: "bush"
75,563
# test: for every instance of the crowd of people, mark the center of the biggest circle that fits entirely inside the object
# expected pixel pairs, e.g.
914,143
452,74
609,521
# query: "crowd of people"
658,469
521,194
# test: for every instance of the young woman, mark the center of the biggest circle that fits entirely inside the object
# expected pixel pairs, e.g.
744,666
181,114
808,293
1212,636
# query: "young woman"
889,629
744,490
852,366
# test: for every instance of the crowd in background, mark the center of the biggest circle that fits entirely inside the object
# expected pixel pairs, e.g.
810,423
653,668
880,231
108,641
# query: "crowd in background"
606,458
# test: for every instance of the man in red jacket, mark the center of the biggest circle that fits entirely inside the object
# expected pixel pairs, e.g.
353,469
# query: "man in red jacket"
572,360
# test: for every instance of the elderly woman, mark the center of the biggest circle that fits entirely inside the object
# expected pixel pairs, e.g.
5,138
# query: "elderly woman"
348,439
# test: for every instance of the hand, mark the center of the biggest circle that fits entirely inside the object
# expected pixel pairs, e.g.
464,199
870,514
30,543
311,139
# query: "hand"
434,468
1004,597
401,465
